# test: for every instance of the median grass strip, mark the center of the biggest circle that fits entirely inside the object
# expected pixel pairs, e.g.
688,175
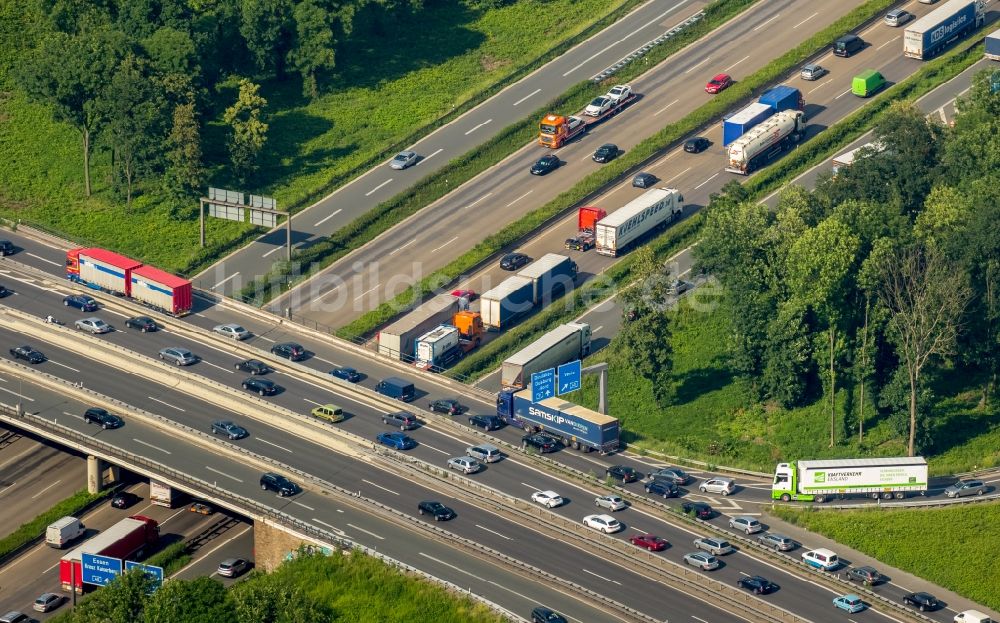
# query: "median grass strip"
35,528
670,135
171,558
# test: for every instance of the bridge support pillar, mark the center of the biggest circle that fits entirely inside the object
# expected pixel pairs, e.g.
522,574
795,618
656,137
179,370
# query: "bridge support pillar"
100,474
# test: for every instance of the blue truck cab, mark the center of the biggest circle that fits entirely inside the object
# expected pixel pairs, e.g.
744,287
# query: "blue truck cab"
577,427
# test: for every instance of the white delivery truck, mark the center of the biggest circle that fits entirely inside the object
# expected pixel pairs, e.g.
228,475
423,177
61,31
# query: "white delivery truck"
61,533
653,209
819,481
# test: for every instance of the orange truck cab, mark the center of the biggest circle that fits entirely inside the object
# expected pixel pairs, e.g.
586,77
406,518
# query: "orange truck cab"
555,130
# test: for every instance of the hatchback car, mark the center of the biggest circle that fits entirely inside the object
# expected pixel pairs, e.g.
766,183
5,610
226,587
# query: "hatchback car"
745,524
262,387
403,159
605,153
696,145
485,452
145,324
779,542
396,440
437,510
598,106
542,614
6,248
27,353
465,464
673,474
963,488
330,413
644,180
486,422
96,415
850,603
178,355
922,601
289,350
714,545
513,261
81,302
897,17
813,71
446,405
704,561
648,541
604,523
700,510
232,567
229,429
623,473
269,481
868,576
660,487
719,83
15,617
725,486
232,330
757,585
540,442
93,325
253,366
346,374
611,502
545,164
47,602
549,499
124,499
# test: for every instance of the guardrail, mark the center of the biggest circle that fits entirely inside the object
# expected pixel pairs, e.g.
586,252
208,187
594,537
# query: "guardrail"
644,49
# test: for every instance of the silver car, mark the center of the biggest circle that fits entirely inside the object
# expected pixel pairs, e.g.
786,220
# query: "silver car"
897,17
713,545
963,488
813,71
779,542
232,567
178,355
746,524
232,330
403,160
610,502
47,602
465,464
702,560
93,325
725,486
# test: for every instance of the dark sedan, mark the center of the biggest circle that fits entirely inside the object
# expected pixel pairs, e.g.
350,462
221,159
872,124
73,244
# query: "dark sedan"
253,366
446,405
229,429
663,488
289,350
583,242
346,374
4,292
144,324
27,353
623,473
757,585
545,164
439,511
513,261
263,387
81,302
124,499
541,614
540,442
696,144
606,153
6,248
486,422
96,415
922,601
700,510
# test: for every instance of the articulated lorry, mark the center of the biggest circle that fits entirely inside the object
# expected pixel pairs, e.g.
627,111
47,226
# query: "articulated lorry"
774,100
766,140
110,272
586,221
818,481
127,539
501,306
162,494
563,344
652,210
556,130
551,275
993,46
953,20
397,340
575,426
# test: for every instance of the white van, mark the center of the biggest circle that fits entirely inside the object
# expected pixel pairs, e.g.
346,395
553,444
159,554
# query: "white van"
63,532
972,616
821,558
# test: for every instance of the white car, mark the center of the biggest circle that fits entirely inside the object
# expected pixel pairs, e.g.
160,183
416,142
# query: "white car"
746,524
619,92
599,106
94,325
605,523
403,160
610,502
725,486
465,464
549,499
232,330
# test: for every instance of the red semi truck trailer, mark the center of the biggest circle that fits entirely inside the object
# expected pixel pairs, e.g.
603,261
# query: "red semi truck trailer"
127,540
111,272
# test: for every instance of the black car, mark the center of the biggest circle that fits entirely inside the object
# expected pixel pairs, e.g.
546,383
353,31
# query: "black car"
486,422
270,481
866,575
348,374
661,487
757,585
142,323
81,302
253,366
606,153
446,405
545,164
27,353
922,601
513,261
96,415
4,292
439,511
644,180
583,242
700,510
264,387
696,144
542,614
229,429
540,442
6,248
289,350
623,473
124,499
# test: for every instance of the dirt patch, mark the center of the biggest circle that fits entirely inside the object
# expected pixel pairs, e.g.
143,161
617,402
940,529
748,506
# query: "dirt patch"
492,63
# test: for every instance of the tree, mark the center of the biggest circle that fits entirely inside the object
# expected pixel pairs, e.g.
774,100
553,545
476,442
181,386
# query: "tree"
202,600
314,43
248,132
185,174
275,599
266,28
910,160
646,343
788,365
123,600
172,51
925,295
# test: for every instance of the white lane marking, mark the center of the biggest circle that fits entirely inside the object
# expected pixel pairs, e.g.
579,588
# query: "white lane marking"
64,365
598,328
478,200
474,128
435,250
366,292
379,486
762,24
887,43
698,619
523,596
303,505
313,402
79,417
502,536
678,175
706,181
369,533
233,276
327,218
271,443
398,249
736,63
423,160
166,404
819,86
449,565
8,487
38,257
372,191
45,489
433,448
277,248
212,469
665,107
601,576
209,363
334,528
145,443
842,94
698,64
519,198
805,20
22,396
535,92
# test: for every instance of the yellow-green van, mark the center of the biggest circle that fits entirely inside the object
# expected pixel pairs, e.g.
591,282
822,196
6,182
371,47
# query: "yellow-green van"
333,413
867,83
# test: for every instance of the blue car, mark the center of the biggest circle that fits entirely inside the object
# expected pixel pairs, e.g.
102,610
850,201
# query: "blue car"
850,603
348,374
81,302
399,441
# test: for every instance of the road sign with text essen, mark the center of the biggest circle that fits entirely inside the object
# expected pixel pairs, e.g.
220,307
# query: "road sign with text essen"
98,569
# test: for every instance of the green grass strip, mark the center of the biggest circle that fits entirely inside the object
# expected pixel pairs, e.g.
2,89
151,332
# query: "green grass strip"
35,528
171,558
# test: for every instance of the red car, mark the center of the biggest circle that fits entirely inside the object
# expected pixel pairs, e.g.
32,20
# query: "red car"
650,542
718,83
465,294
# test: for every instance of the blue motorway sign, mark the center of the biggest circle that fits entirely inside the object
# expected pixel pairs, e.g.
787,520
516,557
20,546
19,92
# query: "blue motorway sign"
155,573
543,385
569,377
98,569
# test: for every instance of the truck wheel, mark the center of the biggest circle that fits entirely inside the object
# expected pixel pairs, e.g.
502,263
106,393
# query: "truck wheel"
820,498
886,496
900,495
576,445
785,497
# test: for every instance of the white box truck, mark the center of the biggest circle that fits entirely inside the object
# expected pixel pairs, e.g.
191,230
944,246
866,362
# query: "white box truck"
655,208
501,306
438,347
61,533
563,344
819,481
397,340
163,494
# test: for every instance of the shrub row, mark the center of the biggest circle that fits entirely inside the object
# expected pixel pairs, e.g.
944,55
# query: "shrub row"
171,558
35,528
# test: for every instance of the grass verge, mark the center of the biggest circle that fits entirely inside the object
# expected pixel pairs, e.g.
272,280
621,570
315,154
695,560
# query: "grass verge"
35,528
172,558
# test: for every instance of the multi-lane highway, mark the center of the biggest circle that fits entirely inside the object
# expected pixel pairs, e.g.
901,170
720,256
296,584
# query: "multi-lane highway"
473,128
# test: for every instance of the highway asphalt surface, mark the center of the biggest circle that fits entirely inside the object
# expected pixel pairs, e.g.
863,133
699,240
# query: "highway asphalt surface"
504,193
453,140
